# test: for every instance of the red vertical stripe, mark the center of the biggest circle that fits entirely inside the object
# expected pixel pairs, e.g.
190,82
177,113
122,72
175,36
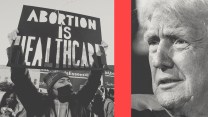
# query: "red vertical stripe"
122,58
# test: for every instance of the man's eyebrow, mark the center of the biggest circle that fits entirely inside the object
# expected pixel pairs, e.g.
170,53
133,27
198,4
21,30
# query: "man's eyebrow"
174,34
149,35
168,33
171,36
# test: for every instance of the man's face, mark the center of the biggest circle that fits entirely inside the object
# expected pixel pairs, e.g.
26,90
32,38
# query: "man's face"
61,83
178,57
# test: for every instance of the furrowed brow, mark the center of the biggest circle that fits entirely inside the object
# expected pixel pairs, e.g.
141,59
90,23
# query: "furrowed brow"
174,34
149,35
174,37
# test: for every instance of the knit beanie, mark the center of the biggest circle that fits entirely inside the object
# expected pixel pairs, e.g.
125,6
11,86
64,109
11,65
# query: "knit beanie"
51,78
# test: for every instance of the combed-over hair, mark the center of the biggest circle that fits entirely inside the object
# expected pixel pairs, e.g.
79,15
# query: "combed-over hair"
192,12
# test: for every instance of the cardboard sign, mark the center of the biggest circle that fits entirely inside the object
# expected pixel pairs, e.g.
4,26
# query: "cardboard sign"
54,39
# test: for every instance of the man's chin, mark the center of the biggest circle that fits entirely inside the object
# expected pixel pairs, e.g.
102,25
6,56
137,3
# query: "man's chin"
170,100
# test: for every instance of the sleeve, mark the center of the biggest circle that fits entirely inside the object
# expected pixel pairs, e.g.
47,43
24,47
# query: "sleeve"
86,94
27,93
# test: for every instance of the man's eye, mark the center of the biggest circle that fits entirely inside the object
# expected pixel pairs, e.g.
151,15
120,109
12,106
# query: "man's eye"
61,81
179,43
153,42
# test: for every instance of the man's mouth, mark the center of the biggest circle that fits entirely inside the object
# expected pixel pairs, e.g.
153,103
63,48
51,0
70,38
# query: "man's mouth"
168,83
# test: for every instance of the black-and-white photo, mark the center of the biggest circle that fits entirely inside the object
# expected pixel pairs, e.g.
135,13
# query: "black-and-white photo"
169,58
57,58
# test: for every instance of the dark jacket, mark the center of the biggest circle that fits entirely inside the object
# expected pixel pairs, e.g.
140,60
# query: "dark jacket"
40,105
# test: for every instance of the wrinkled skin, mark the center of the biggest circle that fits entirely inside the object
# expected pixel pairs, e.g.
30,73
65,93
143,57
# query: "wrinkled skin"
178,57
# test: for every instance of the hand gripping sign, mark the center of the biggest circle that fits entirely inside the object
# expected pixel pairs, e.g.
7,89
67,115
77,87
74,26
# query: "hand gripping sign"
52,39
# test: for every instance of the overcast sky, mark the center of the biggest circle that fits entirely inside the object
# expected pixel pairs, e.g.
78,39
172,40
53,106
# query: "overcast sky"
10,11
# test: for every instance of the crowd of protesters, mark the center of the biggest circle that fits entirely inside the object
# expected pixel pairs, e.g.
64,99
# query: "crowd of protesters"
10,106
24,100
102,105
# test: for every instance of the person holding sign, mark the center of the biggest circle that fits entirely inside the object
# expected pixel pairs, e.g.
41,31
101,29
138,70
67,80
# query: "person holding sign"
61,101
109,104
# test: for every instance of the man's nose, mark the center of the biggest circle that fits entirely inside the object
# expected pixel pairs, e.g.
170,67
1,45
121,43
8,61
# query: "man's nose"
162,57
66,82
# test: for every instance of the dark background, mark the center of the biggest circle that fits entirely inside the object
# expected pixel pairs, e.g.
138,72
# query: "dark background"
141,75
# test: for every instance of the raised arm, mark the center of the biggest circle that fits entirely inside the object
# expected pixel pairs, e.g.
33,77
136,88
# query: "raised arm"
26,91
86,94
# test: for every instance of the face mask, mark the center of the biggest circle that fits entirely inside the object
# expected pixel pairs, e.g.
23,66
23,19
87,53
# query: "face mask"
65,93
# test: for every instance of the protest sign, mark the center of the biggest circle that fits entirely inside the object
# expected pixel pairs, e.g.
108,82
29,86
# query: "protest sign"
54,39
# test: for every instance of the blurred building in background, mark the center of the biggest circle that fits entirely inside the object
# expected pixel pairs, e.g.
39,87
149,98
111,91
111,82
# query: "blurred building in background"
78,77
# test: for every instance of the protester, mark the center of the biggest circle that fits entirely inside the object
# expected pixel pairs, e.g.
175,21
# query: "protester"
97,103
10,107
8,104
176,31
61,101
109,104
